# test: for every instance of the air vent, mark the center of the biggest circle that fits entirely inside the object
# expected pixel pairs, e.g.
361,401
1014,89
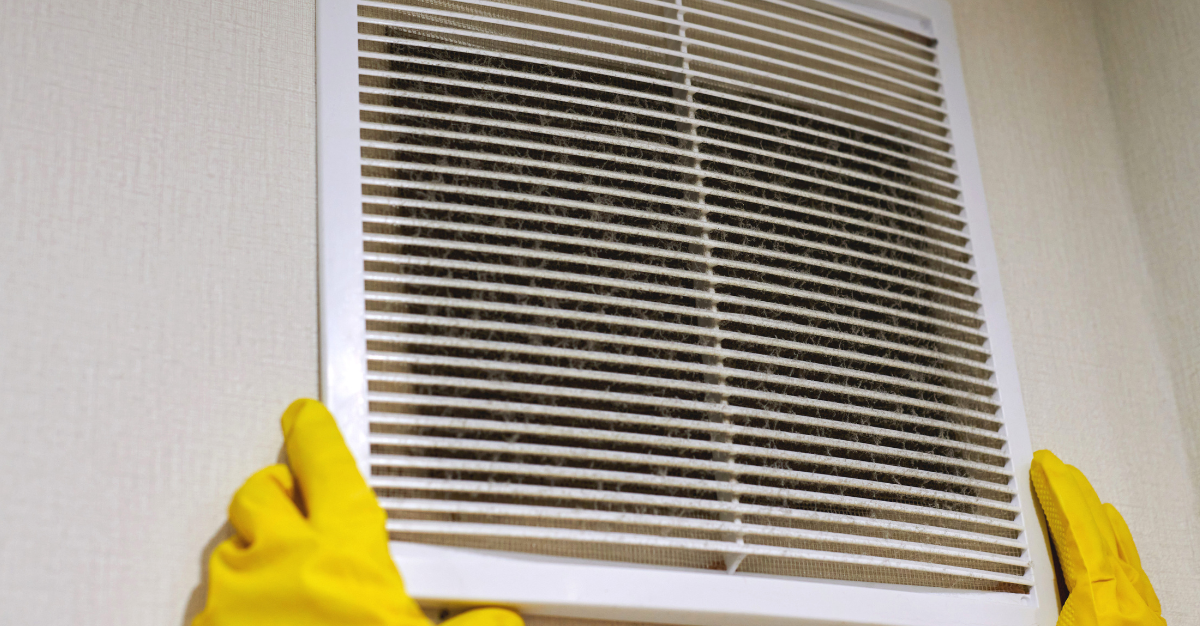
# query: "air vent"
677,284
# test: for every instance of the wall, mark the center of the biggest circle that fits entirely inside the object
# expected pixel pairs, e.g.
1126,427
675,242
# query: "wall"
158,290
1152,63
1097,382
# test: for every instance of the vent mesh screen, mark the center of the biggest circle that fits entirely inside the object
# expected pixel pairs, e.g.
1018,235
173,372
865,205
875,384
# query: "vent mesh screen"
684,284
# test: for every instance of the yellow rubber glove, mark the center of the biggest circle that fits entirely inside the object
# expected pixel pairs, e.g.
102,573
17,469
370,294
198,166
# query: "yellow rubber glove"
326,565
1105,582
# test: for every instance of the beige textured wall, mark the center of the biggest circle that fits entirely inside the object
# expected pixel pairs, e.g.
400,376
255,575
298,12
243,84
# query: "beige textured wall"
157,289
1151,56
1097,385
157,281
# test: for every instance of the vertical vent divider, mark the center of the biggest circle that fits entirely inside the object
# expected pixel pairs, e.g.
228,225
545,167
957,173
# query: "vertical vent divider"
703,233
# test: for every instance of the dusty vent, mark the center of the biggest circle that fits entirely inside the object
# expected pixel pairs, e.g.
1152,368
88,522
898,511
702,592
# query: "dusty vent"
683,284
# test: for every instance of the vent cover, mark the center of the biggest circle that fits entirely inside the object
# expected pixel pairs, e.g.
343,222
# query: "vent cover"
682,284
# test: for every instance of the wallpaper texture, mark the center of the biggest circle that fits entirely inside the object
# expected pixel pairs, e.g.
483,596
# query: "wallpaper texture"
157,289
158,274
1096,380
1152,63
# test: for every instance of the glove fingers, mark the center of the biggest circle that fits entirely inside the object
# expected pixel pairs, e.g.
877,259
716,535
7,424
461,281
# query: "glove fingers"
264,504
329,480
1125,547
1129,555
1095,513
486,617
1071,505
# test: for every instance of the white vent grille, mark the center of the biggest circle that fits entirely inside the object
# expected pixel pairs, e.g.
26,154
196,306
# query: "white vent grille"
683,284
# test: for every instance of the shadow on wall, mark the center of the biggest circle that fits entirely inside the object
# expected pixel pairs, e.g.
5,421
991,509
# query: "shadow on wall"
199,594
195,602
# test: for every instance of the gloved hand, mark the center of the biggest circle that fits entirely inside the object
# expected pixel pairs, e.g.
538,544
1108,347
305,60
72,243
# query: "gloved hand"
323,564
1105,582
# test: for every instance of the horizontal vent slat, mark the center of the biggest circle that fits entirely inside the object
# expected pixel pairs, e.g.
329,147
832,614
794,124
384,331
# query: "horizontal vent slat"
375,296
744,452
879,507
914,70
958,307
934,159
940,175
596,375
672,346
903,550
906,110
895,84
652,381
425,400
653,401
728,372
935,256
697,294
882,509
934,218
977,387
585,536
939,204
964,321
968,301
918,134
636,381
933,191
854,524
880,39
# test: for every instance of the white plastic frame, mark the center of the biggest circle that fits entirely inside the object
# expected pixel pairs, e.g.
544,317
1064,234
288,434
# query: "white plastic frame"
587,589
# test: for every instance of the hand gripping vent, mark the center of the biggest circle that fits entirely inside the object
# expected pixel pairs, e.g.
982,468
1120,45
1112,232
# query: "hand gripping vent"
682,284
